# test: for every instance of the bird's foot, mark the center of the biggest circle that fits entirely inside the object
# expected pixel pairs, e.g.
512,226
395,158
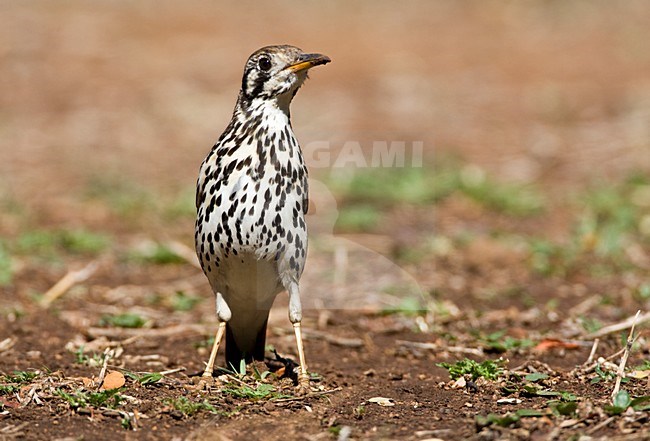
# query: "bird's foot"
303,387
204,382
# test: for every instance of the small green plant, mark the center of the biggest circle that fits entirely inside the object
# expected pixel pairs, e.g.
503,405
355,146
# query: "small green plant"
590,324
488,369
80,357
108,398
608,223
602,375
21,377
499,342
125,320
359,411
643,291
612,212
155,253
48,243
239,372
38,241
563,408
510,199
559,402
645,366
508,419
184,302
12,383
79,398
94,359
126,423
535,390
335,429
188,407
207,342
261,391
622,401
382,187
146,378
424,185
536,376
83,241
358,217
259,376
409,306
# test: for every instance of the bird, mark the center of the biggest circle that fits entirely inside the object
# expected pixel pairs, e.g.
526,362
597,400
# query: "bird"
251,201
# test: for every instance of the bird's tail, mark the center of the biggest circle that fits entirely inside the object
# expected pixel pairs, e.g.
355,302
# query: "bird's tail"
249,348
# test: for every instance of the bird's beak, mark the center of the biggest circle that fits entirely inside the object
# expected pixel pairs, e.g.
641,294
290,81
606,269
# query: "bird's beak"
307,61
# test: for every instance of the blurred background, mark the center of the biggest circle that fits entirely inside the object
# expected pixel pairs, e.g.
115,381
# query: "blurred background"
534,119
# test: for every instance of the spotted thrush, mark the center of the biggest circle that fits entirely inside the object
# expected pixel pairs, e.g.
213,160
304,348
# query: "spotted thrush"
251,200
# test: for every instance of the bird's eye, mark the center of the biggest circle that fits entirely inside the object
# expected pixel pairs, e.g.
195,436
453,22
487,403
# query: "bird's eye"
264,64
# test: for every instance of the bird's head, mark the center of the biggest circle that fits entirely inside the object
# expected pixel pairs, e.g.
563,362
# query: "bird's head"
277,72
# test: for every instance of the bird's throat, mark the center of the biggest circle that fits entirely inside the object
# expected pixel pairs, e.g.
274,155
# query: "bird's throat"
270,113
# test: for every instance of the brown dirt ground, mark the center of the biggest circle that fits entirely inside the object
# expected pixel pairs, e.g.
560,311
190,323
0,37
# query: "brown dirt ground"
106,110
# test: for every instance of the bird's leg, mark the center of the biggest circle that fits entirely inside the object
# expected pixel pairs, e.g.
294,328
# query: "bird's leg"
303,377
223,315
295,316
215,348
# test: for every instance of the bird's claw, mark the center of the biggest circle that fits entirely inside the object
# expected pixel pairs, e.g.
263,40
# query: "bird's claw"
204,382
303,387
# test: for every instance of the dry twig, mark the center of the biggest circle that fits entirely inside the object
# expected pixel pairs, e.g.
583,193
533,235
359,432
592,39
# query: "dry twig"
311,334
7,344
601,425
435,347
600,361
13,430
108,354
191,283
309,395
637,320
172,371
592,354
149,332
628,348
68,281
